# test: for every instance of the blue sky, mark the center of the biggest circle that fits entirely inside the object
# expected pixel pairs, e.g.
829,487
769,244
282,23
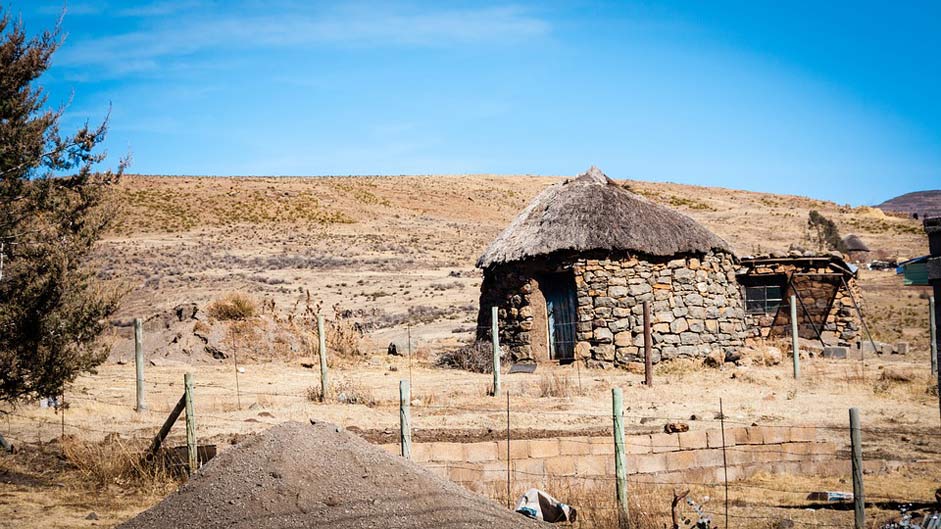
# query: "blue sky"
836,100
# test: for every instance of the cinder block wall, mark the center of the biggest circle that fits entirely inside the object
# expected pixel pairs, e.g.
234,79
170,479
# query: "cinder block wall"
694,457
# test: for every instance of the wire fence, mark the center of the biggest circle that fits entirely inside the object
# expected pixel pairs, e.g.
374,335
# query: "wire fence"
751,498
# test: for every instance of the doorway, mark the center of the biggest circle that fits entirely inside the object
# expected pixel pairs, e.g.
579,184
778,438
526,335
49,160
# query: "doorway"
561,313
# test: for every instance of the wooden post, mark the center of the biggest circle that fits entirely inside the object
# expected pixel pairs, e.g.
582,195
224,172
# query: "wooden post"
322,336
933,334
509,498
725,463
495,337
405,419
648,347
139,362
190,424
794,335
165,429
620,460
859,513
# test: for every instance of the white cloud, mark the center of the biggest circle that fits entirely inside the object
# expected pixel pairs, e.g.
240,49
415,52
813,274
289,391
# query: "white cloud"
179,36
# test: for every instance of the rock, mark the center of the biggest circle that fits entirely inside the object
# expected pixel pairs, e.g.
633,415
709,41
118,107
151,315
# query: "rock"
635,367
603,335
216,353
898,374
772,356
92,516
835,352
186,311
733,355
675,427
715,359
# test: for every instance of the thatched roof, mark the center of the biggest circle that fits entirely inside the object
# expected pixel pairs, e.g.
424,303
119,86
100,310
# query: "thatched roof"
592,212
855,244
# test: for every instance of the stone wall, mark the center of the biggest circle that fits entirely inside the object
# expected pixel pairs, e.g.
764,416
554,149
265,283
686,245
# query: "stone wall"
694,456
695,303
696,306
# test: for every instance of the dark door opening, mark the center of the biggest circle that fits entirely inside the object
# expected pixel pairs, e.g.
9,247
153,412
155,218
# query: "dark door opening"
562,313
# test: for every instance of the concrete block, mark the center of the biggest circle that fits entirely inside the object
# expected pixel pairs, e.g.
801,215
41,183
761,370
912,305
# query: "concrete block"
464,473
635,444
709,457
543,448
738,435
714,439
801,434
422,452
836,352
593,465
754,435
560,466
681,460
693,440
479,452
575,446
528,469
664,442
901,348
646,463
775,434
393,449
519,449
438,469
449,452
605,445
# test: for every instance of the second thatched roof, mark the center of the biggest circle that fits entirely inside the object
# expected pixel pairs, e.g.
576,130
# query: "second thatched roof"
855,244
592,212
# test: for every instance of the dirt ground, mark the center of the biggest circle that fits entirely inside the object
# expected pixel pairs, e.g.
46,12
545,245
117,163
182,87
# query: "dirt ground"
398,254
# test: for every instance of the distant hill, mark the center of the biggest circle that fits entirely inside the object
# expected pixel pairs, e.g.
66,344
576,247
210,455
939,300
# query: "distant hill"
919,203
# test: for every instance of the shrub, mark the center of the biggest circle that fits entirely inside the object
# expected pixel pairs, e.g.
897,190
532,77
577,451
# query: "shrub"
344,391
234,306
476,357
555,384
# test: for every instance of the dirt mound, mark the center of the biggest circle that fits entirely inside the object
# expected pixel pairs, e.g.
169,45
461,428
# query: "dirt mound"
301,475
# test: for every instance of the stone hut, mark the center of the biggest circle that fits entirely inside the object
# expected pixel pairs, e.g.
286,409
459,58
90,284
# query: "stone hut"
825,290
571,272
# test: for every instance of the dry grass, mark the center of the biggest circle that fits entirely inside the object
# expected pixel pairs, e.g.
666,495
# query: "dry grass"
557,384
344,390
680,367
476,357
113,461
234,306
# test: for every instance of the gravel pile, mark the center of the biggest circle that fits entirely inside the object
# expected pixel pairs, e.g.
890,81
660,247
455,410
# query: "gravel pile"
304,475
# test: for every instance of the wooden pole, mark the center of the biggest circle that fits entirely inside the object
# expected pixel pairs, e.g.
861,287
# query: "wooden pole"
235,357
509,499
139,362
725,463
933,335
620,460
322,336
495,337
648,347
859,513
190,424
165,429
859,313
794,346
405,419
408,328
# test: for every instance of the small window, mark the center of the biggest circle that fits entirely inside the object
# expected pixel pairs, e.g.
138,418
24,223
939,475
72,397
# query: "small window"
763,299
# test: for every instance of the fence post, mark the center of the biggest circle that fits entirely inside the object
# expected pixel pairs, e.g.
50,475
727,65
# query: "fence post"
859,513
495,336
620,460
933,326
725,463
794,347
648,347
139,362
322,336
509,499
190,423
405,420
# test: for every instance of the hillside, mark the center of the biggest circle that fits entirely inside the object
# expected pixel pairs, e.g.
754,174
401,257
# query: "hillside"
391,249
922,203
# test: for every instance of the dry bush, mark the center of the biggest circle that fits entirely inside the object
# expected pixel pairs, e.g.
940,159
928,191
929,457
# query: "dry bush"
679,366
556,384
233,306
344,391
476,357
117,462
